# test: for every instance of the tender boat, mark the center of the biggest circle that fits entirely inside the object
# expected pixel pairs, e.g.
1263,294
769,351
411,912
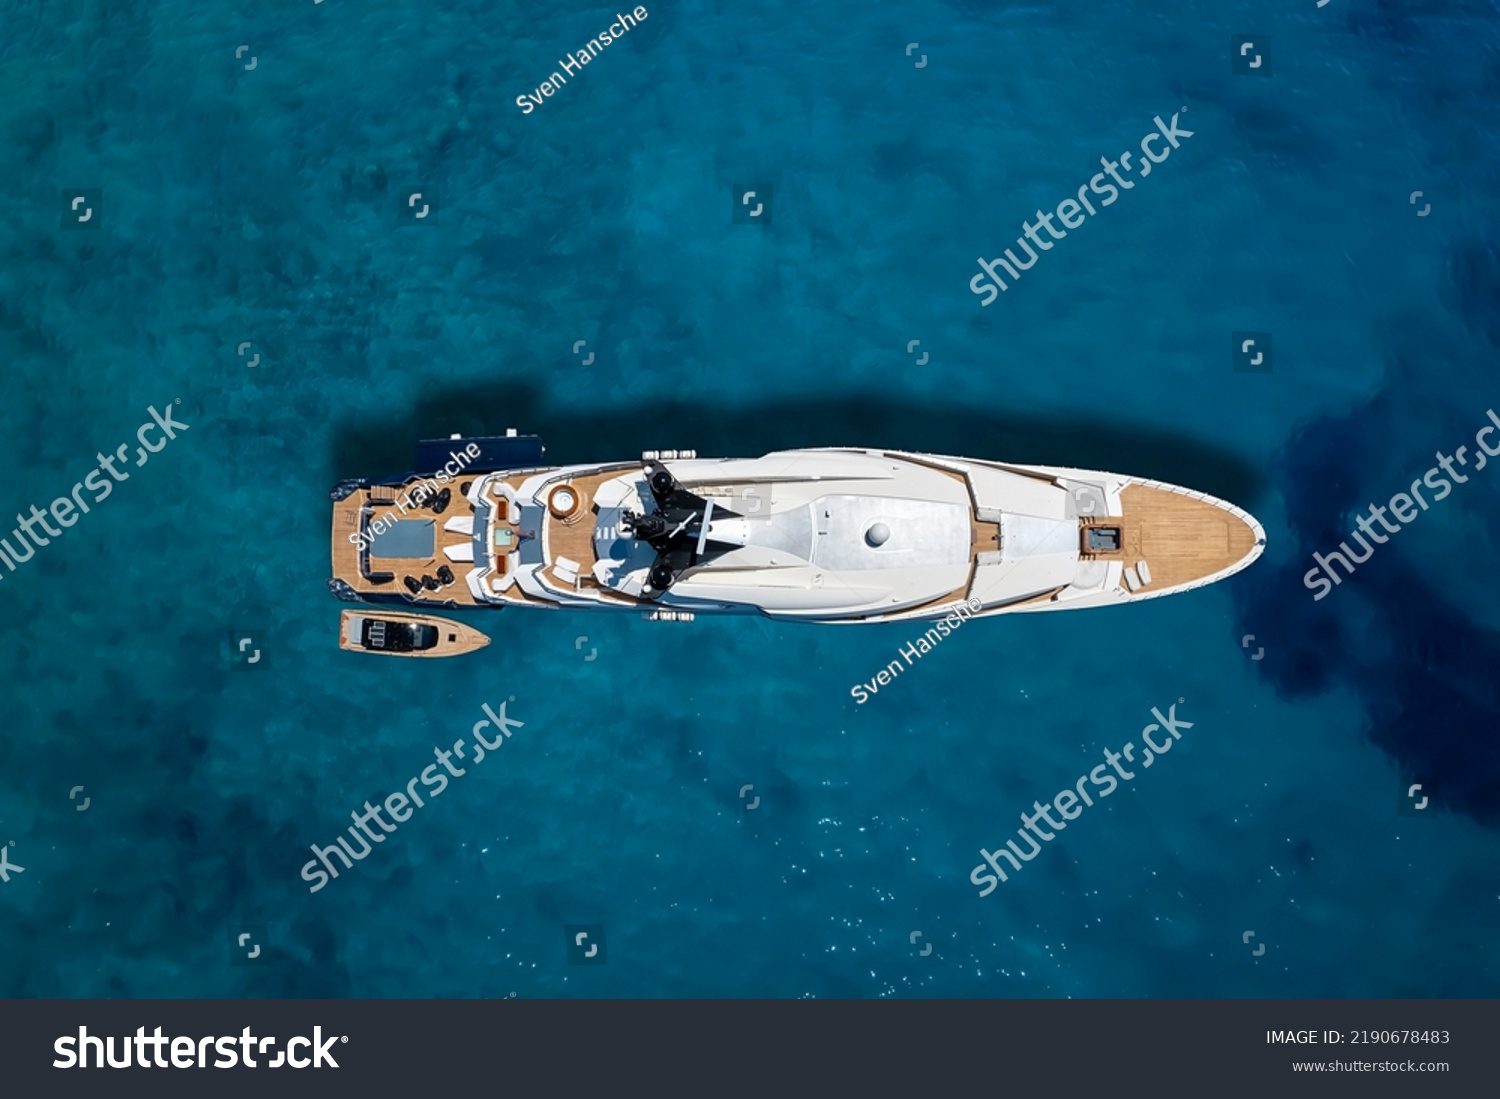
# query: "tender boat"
834,535
396,633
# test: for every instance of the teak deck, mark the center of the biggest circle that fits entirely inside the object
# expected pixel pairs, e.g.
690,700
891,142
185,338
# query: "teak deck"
573,540
1180,538
346,554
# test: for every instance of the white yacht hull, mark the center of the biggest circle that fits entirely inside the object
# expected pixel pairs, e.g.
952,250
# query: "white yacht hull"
822,535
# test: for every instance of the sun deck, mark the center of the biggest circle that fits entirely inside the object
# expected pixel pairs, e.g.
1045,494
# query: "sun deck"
569,537
565,535
368,574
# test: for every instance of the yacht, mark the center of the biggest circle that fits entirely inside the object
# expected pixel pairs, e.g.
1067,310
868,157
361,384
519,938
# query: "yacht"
833,535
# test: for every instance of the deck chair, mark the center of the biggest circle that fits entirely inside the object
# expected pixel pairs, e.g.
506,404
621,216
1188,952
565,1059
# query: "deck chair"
566,570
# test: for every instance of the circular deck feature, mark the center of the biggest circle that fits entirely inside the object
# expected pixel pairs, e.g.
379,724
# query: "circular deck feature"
564,502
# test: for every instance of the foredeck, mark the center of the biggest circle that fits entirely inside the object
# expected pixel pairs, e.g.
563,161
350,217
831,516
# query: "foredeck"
1180,537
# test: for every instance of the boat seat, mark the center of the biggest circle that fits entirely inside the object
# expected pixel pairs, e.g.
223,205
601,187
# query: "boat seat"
612,494
460,524
566,570
507,501
464,551
1143,572
1130,578
364,567
501,577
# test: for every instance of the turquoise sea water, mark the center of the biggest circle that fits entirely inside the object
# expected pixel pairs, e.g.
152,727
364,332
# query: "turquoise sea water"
263,205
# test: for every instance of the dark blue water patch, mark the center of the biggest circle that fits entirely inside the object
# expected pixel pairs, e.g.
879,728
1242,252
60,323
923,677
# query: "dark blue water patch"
33,132
1392,22
975,9
1322,465
1473,287
1411,23
188,860
1435,703
1286,136
899,159
1421,668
